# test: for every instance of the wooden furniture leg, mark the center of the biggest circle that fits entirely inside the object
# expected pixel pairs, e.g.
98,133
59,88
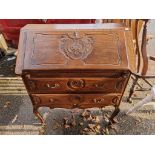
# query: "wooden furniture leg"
132,89
141,88
38,115
114,114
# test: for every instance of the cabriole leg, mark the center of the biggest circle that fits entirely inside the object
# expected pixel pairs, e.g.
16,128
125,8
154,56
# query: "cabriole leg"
38,115
132,89
114,114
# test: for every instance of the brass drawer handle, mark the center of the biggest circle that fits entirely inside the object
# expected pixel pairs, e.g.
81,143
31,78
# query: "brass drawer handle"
51,100
99,85
53,86
75,105
98,100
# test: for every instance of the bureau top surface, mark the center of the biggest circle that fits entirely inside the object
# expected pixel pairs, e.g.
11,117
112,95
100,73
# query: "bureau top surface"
75,46
58,27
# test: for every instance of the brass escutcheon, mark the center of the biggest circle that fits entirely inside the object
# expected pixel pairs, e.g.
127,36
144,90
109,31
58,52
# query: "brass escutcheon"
76,84
98,100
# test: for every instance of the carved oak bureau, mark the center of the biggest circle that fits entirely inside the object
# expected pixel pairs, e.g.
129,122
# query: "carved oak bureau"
75,66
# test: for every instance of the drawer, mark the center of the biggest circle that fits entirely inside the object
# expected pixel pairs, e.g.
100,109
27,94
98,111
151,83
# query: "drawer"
75,100
75,85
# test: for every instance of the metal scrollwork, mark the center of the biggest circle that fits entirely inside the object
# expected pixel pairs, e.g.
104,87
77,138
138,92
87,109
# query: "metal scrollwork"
75,47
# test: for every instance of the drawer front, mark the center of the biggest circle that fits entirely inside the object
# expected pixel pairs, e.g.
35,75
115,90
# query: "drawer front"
75,85
75,100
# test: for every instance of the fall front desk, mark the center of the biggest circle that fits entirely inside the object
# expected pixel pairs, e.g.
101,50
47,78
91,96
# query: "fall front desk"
75,65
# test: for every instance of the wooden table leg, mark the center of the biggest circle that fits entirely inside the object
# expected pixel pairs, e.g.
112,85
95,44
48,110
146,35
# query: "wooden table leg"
114,114
132,89
38,115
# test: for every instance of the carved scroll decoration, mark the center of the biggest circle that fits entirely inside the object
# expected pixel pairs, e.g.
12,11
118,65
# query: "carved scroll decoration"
115,100
75,47
36,100
76,84
31,84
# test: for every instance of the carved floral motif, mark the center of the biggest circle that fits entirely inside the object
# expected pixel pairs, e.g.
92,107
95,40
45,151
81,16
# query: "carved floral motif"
31,84
76,84
75,47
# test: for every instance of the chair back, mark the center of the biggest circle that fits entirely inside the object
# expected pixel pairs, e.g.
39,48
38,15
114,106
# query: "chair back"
143,53
138,29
